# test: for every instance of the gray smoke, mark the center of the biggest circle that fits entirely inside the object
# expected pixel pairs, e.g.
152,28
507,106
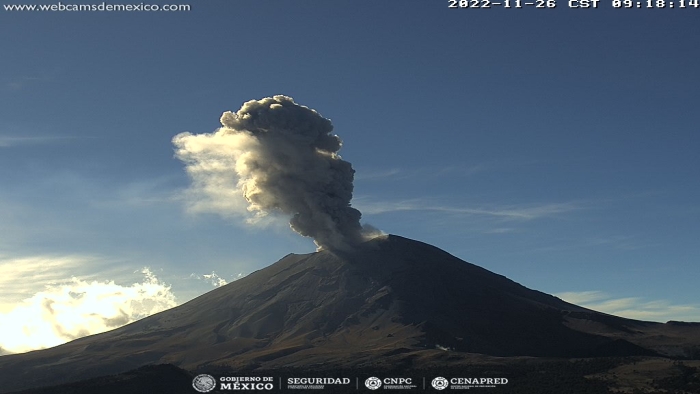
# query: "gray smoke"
281,157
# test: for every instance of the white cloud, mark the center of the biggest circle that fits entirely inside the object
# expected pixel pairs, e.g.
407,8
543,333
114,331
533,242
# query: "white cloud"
581,297
377,174
10,141
20,277
421,172
22,81
500,230
138,194
19,83
215,279
75,308
512,212
633,307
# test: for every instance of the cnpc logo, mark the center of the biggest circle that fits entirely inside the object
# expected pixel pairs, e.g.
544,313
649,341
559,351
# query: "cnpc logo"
374,382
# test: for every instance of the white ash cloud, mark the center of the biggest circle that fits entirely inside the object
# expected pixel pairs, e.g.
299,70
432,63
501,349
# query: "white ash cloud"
275,156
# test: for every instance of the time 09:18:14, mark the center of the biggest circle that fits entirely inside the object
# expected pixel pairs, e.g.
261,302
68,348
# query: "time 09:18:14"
656,3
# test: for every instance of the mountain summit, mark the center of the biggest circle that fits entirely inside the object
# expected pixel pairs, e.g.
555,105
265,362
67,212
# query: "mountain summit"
392,299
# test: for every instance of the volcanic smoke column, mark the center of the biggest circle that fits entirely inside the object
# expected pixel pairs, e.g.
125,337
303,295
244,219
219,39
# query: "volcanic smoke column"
282,157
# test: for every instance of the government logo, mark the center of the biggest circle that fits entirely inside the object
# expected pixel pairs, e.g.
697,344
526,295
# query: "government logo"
204,383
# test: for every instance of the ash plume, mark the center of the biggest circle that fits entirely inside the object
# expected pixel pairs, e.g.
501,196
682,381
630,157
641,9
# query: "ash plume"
280,157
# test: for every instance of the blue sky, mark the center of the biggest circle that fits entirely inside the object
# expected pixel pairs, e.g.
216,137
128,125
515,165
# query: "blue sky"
555,147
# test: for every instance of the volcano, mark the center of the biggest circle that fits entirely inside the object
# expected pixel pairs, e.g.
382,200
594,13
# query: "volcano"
390,301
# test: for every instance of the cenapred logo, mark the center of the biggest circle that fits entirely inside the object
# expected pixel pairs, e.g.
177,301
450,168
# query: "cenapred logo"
440,383
204,383
373,383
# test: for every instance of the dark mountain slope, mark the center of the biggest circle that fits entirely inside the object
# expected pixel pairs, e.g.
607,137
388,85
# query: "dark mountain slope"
392,298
